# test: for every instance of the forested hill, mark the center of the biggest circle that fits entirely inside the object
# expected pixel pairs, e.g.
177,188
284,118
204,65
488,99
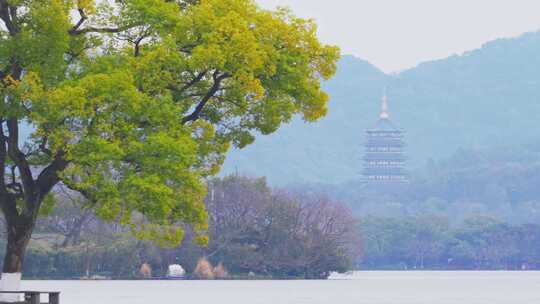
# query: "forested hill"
484,98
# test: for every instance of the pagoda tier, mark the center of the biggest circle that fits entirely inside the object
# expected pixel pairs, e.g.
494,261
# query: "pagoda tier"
376,144
384,170
384,159
384,156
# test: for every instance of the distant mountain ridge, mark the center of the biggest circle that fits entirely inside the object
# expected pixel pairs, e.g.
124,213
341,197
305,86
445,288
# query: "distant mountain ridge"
488,97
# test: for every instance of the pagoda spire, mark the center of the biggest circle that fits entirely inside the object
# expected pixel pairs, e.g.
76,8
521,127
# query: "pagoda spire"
385,114
384,158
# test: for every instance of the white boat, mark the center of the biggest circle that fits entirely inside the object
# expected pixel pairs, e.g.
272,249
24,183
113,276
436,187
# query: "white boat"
176,272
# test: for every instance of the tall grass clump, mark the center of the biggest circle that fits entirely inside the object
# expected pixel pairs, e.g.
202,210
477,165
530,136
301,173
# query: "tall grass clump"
220,272
146,271
204,270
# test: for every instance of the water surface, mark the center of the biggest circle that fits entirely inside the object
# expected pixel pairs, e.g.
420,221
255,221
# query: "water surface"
362,287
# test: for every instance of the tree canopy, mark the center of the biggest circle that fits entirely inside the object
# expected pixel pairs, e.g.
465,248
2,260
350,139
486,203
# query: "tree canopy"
133,103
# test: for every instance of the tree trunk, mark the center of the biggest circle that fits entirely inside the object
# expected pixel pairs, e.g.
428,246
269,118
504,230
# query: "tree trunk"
19,232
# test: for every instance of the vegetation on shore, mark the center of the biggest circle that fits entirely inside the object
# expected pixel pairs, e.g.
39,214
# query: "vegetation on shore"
254,232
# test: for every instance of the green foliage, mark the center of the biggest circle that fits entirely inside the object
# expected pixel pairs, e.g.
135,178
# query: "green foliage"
142,99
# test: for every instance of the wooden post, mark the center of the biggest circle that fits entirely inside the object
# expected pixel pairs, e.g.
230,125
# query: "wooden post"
32,298
54,298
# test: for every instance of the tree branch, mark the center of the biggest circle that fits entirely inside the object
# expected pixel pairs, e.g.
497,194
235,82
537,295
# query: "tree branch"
191,83
199,108
49,177
137,47
81,20
87,195
18,157
92,29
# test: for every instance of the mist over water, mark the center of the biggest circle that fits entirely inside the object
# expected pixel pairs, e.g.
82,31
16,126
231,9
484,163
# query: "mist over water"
361,288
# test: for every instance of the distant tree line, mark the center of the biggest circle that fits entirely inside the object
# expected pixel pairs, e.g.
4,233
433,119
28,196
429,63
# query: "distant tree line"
431,242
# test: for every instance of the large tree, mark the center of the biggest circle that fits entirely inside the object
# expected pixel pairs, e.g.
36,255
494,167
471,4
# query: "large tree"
132,103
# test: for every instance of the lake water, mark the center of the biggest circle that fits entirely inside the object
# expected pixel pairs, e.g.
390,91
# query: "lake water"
362,287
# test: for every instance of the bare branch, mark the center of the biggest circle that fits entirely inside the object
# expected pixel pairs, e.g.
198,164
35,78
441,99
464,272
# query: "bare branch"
81,20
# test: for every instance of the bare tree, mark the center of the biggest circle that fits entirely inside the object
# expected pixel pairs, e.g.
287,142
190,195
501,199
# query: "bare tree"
279,233
69,218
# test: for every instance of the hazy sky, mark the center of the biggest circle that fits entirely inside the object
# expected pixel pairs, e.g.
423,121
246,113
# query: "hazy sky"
398,34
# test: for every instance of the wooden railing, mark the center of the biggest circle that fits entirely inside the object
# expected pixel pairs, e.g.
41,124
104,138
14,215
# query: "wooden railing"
34,297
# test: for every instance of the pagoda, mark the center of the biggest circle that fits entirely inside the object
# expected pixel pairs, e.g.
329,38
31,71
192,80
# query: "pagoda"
384,160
